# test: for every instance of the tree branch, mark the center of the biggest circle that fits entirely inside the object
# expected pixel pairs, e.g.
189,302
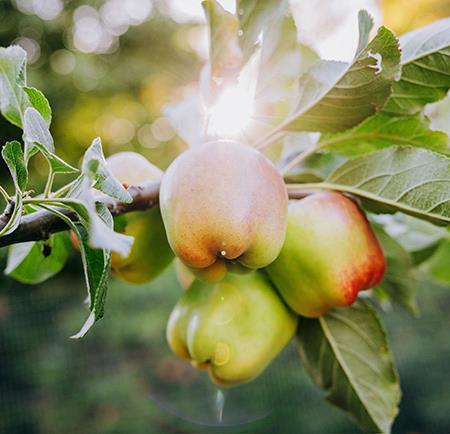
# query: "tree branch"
40,224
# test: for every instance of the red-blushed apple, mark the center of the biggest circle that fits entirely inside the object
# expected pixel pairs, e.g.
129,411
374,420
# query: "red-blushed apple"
330,254
224,201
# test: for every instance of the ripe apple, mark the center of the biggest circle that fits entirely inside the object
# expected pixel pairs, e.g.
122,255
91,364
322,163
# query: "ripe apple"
330,254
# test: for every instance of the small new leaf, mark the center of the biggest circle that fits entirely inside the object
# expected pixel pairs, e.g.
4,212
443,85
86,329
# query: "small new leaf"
101,236
347,354
94,166
36,131
13,155
38,100
13,100
57,164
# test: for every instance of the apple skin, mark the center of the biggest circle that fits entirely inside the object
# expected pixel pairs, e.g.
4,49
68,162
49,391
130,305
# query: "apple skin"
150,253
233,328
224,201
330,254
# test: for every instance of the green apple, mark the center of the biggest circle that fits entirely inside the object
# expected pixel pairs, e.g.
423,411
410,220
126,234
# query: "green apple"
233,328
150,253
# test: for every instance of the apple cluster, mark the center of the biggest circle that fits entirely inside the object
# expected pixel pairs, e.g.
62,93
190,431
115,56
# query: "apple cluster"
250,260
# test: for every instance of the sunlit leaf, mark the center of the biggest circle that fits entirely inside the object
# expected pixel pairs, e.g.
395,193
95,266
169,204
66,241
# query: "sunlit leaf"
347,354
13,100
188,118
336,96
94,165
382,130
254,17
365,25
425,72
36,131
100,235
225,56
283,60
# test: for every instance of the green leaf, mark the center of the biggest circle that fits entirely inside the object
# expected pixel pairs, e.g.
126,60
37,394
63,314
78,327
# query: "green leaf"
225,56
36,131
35,262
412,234
382,130
82,201
365,25
38,100
346,353
283,59
316,168
95,167
254,17
410,180
13,100
100,235
437,267
57,164
399,281
336,96
96,266
426,64
188,119
13,155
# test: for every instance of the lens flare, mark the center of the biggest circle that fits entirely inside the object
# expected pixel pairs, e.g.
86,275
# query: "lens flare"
232,112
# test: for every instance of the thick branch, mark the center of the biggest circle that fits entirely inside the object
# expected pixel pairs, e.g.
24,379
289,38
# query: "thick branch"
40,224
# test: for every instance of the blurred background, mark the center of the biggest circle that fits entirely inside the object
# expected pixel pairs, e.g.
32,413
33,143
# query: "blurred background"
108,68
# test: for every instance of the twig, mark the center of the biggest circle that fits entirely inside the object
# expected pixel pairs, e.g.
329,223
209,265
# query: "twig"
40,224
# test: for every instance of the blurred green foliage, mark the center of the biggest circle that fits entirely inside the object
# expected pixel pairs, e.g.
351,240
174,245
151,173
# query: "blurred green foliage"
122,377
